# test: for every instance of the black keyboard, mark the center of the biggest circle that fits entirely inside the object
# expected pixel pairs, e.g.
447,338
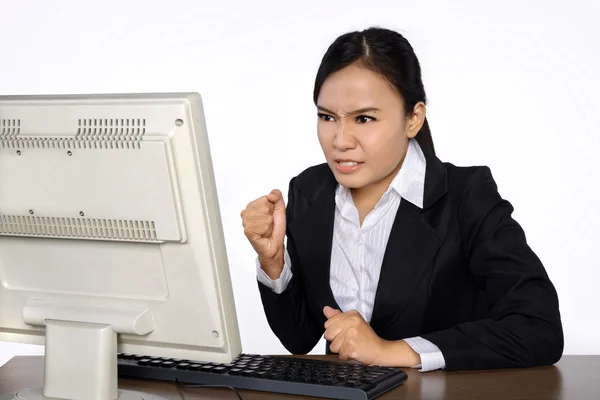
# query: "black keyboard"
277,374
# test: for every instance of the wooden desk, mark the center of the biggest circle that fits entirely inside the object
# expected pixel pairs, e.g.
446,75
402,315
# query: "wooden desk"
574,377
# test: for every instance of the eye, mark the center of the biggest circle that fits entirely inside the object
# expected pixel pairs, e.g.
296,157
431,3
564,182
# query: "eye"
325,117
363,119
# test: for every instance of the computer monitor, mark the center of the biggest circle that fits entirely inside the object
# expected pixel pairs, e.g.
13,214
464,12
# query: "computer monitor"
110,237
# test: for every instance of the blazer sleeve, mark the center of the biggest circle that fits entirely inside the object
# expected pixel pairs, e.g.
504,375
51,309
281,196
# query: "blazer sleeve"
522,327
287,313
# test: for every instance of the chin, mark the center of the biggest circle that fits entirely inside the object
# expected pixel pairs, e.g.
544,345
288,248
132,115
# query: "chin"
350,181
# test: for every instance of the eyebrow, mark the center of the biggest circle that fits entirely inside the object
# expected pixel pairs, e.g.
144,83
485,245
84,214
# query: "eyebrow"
355,112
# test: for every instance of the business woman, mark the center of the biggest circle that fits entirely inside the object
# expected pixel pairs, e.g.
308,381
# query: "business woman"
397,258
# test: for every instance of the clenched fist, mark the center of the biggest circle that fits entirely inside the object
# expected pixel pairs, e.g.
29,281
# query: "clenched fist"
264,226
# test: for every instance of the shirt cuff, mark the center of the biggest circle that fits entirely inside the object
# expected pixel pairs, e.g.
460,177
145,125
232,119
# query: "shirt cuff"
431,357
280,284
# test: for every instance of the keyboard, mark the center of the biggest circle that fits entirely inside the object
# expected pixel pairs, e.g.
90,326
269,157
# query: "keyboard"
276,374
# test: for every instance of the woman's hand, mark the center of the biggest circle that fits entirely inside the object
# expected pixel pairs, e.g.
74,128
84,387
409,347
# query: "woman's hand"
353,338
264,226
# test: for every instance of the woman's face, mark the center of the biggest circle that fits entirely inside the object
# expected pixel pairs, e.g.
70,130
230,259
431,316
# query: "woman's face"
362,127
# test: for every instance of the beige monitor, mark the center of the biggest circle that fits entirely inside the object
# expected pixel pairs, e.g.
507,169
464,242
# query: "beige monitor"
110,237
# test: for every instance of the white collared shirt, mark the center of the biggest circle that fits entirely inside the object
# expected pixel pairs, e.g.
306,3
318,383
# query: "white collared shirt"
357,251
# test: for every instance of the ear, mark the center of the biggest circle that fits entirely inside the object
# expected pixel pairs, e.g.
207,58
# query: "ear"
416,120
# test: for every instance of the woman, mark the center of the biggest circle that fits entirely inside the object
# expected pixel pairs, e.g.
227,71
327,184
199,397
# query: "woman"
397,258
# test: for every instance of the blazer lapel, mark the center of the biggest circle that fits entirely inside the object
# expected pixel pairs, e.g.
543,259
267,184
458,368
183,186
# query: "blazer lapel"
312,231
410,250
409,254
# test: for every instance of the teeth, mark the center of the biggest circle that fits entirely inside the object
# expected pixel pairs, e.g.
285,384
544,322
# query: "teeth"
348,163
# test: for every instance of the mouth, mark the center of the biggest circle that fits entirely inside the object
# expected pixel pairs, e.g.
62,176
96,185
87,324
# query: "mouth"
347,166
347,163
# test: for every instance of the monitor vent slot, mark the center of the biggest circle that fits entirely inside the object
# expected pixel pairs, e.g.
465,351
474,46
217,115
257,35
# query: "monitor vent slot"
92,133
105,128
9,128
68,143
78,228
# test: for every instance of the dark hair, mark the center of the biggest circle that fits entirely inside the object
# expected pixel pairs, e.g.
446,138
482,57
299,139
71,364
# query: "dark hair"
387,53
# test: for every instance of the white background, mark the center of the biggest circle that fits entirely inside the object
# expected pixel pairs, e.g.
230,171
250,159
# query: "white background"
513,85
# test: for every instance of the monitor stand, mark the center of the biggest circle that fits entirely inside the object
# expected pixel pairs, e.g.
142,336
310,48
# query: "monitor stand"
80,363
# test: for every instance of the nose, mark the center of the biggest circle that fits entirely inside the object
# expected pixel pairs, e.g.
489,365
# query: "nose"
344,138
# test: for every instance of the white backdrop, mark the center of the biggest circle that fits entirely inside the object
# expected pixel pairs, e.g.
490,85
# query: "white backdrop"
512,85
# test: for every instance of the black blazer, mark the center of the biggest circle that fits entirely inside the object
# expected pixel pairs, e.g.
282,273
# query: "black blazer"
458,273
